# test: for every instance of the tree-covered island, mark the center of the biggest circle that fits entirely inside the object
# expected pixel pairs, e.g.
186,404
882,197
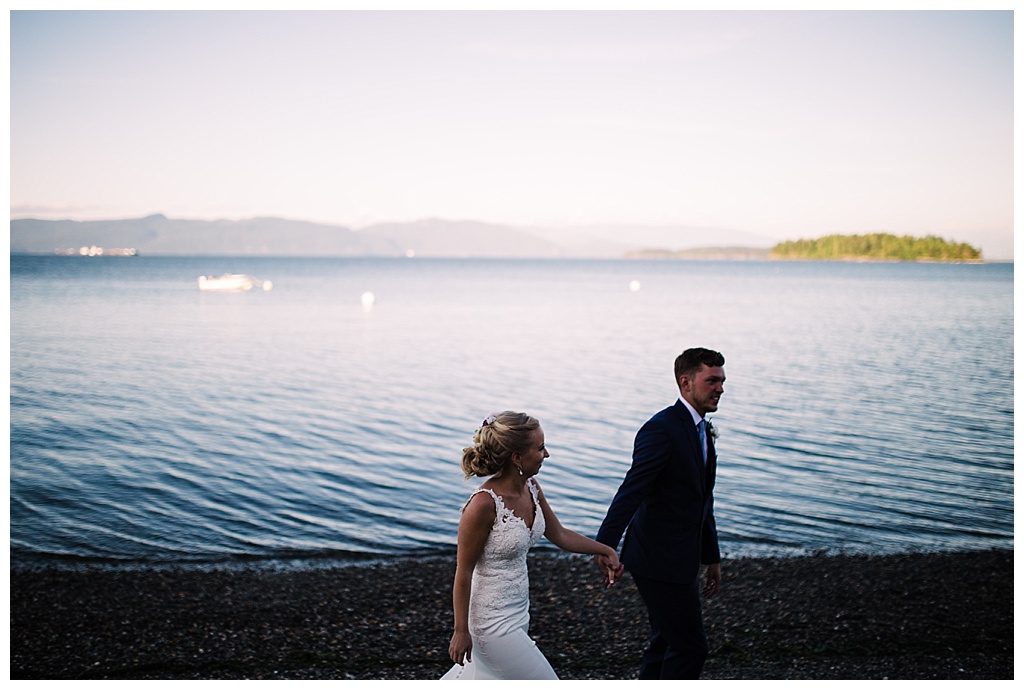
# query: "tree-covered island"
876,247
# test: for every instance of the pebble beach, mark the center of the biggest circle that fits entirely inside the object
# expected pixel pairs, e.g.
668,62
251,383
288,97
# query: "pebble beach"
912,616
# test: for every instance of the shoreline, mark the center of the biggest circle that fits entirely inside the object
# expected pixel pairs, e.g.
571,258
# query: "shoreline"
946,615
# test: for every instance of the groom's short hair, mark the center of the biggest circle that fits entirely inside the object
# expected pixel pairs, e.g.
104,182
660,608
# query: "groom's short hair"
690,361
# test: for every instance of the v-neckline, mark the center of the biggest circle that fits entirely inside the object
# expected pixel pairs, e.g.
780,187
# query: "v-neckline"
512,512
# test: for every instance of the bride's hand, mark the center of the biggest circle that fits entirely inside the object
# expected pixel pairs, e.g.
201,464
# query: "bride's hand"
615,571
461,647
610,566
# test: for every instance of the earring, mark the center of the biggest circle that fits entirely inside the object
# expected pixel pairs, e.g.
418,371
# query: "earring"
520,470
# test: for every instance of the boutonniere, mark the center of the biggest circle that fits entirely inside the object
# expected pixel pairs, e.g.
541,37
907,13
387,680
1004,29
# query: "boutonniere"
712,429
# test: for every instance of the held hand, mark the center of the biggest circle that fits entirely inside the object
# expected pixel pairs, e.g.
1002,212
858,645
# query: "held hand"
615,569
713,580
461,648
610,567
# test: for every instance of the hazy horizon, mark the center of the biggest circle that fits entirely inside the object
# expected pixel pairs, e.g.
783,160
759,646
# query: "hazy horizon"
784,125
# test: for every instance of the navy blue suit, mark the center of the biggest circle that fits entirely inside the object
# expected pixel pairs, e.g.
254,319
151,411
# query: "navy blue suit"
666,507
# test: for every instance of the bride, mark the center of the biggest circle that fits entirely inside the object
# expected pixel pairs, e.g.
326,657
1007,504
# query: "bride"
500,522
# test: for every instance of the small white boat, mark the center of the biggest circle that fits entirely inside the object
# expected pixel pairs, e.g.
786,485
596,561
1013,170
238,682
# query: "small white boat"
232,281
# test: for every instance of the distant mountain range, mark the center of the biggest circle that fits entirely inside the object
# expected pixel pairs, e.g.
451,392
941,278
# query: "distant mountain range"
159,235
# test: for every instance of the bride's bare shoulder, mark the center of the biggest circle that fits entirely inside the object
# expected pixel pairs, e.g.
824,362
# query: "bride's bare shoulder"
480,506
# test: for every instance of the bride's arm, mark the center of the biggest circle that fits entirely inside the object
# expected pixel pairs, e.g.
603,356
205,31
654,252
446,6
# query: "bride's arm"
565,538
474,527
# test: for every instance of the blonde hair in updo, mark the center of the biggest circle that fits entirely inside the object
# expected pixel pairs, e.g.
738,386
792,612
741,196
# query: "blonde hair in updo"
497,439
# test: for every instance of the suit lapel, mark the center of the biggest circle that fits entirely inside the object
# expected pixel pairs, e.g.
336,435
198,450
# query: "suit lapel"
690,429
709,477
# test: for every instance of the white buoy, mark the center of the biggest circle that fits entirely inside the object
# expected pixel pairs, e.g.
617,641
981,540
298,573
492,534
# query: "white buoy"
368,299
634,285
267,285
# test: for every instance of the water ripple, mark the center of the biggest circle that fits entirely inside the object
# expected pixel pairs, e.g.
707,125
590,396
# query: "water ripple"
868,408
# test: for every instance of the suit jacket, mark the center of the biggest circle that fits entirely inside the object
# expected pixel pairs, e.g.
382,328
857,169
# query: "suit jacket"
666,501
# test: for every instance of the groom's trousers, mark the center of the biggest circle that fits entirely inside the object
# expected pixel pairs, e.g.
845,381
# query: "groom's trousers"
678,645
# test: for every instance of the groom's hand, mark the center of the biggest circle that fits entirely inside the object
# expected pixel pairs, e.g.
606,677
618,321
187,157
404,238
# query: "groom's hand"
713,580
610,568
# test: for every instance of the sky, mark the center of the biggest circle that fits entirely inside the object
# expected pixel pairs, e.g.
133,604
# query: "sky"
790,125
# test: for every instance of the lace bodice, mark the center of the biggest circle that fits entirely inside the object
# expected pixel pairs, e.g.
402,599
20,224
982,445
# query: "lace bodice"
501,584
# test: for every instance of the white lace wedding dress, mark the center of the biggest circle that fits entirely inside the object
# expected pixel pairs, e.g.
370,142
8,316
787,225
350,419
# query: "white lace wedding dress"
499,604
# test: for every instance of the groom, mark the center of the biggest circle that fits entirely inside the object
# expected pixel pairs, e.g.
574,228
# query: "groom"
666,501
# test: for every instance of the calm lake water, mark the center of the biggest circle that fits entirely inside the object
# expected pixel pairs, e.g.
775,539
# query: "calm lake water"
869,407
